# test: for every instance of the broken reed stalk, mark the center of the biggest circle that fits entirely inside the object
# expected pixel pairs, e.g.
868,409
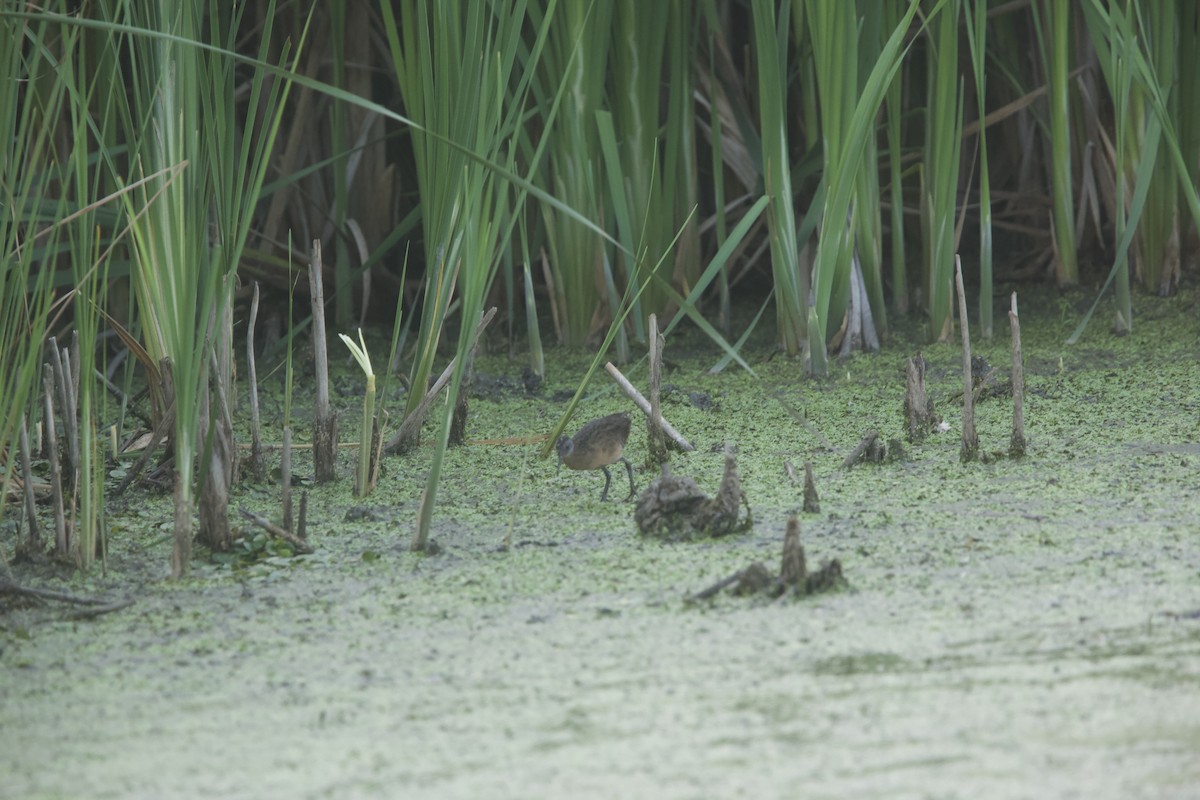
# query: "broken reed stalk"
165,426
181,543
91,612
918,407
799,416
285,477
869,448
407,430
812,503
258,464
71,372
644,405
458,422
377,429
35,536
56,489
325,422
296,542
181,546
162,393
302,517
1016,445
216,427
724,508
793,570
656,440
7,587
405,435
59,360
970,439
89,606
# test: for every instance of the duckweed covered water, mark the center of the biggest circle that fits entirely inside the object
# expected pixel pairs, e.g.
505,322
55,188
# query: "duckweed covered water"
1019,628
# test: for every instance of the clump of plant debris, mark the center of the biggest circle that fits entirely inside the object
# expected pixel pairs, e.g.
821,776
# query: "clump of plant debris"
793,580
674,509
871,449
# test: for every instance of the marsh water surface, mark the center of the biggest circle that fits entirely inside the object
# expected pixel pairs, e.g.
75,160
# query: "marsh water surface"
1013,628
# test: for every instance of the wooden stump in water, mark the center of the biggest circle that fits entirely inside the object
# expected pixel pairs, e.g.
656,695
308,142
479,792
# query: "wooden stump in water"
792,570
812,503
919,417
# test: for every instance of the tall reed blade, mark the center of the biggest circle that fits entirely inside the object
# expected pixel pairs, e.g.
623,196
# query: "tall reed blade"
833,25
189,224
30,111
1120,49
943,138
977,40
1056,55
791,284
895,114
868,213
575,59
469,53
1158,236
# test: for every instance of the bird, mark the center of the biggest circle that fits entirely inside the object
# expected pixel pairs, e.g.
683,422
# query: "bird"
596,445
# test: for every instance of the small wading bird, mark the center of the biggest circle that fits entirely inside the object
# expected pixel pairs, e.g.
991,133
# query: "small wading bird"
595,446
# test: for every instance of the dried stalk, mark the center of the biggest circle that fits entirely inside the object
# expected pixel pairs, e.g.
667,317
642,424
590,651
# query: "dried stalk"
793,570
405,435
258,464
1016,445
970,439
160,434
216,427
35,537
803,420
869,448
325,423
302,517
285,469
181,549
812,503
296,542
458,423
93,605
919,417
59,360
56,488
644,405
656,440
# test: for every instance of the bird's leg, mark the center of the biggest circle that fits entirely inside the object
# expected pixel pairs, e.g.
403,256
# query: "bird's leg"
607,481
629,469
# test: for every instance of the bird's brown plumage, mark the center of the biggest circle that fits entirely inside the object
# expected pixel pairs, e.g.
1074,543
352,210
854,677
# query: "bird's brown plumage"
596,445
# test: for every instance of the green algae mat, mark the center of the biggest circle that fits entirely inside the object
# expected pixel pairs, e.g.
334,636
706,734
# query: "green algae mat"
1010,628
